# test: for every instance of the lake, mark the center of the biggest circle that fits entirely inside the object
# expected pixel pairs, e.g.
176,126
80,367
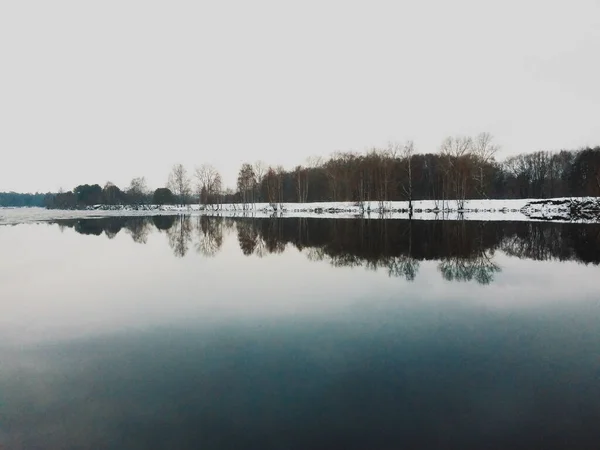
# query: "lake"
179,332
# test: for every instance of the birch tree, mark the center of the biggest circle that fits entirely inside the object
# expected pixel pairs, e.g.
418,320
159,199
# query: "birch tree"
484,151
260,169
455,152
179,183
407,154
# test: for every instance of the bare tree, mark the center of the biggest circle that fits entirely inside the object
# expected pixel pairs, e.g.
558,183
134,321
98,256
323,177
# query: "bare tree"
455,152
312,163
483,151
111,194
206,182
334,174
407,154
364,176
179,183
260,169
346,166
301,175
384,161
229,193
137,190
280,175
218,190
271,183
245,184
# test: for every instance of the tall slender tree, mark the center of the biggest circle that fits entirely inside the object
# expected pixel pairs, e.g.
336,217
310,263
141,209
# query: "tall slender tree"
179,183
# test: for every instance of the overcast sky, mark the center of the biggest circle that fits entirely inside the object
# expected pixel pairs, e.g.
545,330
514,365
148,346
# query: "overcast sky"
99,91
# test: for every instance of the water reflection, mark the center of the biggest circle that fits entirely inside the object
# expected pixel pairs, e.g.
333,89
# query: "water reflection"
209,236
106,343
465,249
180,236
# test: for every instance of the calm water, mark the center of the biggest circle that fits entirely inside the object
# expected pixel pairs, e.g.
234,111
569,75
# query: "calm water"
185,333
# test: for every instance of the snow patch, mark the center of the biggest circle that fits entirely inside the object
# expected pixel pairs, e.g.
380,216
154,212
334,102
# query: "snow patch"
584,209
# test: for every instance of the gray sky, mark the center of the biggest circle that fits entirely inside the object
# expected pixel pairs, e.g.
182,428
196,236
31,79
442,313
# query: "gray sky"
98,91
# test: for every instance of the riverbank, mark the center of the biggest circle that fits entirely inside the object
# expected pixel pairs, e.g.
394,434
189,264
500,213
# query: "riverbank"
584,209
490,209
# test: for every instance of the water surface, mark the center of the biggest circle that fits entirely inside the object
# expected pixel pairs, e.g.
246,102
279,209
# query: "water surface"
194,332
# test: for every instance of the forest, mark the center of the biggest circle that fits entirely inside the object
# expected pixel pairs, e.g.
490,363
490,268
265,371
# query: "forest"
15,199
462,168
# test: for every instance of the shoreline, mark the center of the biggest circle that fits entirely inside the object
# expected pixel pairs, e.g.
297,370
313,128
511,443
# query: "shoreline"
576,210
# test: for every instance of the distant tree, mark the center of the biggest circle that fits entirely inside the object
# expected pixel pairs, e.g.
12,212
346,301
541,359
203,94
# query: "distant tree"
272,185
87,195
163,196
14,199
333,171
585,172
455,152
179,183
281,175
301,179
49,201
407,154
112,195
218,189
245,183
259,168
207,183
137,191
464,167
483,151
63,200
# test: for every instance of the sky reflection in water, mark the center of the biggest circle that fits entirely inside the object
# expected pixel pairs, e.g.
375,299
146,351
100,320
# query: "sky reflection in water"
297,333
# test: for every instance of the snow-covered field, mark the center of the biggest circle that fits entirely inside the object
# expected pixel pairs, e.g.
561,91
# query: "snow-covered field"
559,209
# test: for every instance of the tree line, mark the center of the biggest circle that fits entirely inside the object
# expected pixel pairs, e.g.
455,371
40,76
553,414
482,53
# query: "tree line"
15,199
463,168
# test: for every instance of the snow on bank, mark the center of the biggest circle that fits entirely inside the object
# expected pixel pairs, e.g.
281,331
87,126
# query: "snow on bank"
560,209
419,206
577,208
514,209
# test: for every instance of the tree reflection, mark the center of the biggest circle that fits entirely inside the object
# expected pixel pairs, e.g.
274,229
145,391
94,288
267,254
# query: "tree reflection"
112,228
138,228
89,227
464,250
274,239
402,266
180,235
209,235
247,236
163,223
468,254
481,269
